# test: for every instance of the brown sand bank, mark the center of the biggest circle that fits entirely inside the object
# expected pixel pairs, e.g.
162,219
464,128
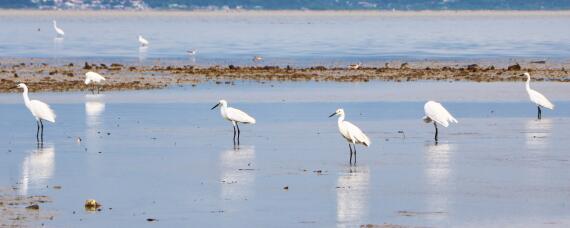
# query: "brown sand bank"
69,77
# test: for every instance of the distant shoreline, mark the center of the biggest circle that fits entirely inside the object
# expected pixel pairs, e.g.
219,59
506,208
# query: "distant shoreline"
437,13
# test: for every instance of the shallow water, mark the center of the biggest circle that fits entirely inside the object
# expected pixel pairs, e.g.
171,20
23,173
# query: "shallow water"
282,38
175,162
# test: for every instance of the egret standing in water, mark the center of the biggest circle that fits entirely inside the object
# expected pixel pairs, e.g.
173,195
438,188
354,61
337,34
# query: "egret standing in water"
143,41
438,114
40,110
537,98
351,133
58,30
93,78
236,116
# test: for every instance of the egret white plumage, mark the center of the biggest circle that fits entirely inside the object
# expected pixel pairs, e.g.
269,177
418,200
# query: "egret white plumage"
143,41
354,66
351,133
93,78
257,59
40,111
58,30
192,52
438,114
537,98
234,115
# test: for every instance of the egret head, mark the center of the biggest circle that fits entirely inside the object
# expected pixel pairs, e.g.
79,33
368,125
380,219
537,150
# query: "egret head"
526,74
221,102
339,112
22,86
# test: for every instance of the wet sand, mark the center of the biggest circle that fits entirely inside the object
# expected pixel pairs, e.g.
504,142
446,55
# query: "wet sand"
41,76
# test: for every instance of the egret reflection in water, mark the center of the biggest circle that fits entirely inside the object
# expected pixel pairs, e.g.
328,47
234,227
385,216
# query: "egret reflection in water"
143,53
537,133
438,174
94,108
237,174
37,168
352,196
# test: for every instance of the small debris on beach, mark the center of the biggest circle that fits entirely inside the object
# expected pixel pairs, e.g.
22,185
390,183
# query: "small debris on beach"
92,205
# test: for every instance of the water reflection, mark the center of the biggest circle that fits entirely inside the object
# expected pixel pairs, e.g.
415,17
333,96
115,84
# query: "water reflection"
37,168
537,133
94,107
352,196
143,53
438,174
237,176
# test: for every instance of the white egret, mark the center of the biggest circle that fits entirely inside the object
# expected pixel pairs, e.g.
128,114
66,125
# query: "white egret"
236,116
257,59
537,98
93,78
192,52
354,66
438,114
40,110
351,133
143,41
58,30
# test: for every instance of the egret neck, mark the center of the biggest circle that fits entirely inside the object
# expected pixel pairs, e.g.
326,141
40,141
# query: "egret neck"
528,83
26,98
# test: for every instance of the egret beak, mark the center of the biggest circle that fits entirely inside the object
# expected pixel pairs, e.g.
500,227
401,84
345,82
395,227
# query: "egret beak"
332,115
218,104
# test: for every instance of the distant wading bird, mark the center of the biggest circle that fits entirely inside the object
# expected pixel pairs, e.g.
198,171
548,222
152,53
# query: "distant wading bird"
438,114
143,41
236,116
536,97
354,66
40,110
192,52
59,31
351,133
257,59
93,78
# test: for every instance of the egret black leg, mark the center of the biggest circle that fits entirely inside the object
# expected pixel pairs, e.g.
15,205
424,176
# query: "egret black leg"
435,125
237,126
38,131
539,113
42,124
98,89
350,148
354,145
234,135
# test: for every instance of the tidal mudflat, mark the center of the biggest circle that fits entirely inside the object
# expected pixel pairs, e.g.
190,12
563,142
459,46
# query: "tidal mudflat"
164,155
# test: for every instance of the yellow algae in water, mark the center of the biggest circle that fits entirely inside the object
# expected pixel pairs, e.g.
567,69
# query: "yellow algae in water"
92,205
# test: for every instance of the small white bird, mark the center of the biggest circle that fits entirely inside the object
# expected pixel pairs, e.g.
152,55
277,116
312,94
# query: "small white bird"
192,52
95,78
59,31
351,133
143,41
537,98
438,114
257,59
40,110
236,116
354,66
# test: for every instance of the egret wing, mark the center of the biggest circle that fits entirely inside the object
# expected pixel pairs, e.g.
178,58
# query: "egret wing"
239,116
540,99
42,110
436,112
355,132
